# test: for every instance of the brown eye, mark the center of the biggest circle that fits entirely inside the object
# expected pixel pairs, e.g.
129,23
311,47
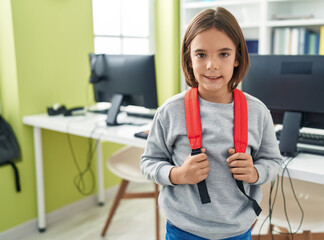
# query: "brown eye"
223,55
201,55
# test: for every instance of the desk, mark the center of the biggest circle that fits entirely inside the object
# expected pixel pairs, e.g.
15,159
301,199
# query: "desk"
90,125
306,167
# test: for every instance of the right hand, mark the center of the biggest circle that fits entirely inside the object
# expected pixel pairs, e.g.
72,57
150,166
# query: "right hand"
193,170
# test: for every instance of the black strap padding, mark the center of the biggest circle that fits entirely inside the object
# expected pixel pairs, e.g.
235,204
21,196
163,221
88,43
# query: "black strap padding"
203,192
257,209
202,186
18,189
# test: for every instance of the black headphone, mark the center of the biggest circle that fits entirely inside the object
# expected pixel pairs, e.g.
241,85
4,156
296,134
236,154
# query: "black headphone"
97,63
56,109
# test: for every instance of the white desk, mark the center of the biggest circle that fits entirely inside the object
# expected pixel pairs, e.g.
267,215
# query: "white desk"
91,125
304,167
307,167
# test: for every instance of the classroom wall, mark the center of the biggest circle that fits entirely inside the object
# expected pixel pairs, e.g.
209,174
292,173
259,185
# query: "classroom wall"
9,100
43,60
168,48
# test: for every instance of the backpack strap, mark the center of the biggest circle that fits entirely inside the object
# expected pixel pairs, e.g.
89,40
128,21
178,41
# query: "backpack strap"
240,121
17,179
241,136
194,134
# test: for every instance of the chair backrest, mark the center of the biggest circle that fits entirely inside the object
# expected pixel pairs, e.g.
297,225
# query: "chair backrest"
311,198
125,163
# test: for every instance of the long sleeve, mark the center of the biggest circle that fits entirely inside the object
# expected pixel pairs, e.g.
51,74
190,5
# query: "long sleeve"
267,157
156,161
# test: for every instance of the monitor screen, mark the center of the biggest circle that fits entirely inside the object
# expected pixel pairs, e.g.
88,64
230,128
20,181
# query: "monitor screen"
123,79
292,88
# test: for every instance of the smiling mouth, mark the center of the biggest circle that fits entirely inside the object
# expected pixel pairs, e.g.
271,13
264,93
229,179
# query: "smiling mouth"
213,77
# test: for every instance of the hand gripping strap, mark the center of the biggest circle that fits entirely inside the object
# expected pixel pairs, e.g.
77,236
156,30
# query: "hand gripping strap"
241,136
194,134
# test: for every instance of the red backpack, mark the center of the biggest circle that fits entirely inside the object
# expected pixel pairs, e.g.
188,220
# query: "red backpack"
240,135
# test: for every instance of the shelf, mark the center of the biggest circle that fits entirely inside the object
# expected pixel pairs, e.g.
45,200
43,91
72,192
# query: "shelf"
299,22
222,3
274,1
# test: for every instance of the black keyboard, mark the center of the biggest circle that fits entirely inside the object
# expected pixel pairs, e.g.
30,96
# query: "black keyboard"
141,115
307,138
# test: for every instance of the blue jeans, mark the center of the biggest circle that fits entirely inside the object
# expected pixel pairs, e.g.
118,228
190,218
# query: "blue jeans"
174,233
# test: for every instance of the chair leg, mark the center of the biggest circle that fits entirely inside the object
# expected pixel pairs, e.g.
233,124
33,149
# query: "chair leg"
271,226
118,197
253,225
307,235
157,215
285,230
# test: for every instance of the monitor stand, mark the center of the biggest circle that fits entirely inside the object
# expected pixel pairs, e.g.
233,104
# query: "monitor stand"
112,114
289,133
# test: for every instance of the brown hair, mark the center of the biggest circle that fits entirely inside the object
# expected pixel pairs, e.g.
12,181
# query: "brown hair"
223,20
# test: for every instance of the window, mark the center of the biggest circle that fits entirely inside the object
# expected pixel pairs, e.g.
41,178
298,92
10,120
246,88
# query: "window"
123,26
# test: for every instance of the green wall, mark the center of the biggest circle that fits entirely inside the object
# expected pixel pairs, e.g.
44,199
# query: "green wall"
9,100
168,47
43,60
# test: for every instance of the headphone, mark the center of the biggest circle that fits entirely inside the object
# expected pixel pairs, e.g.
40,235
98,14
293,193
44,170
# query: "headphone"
56,109
97,63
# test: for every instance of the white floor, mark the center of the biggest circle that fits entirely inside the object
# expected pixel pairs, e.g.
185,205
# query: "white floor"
133,220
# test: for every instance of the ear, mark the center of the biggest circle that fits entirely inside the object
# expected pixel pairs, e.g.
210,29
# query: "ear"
236,63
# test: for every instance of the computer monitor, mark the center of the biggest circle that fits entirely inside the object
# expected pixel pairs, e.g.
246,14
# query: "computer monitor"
292,87
123,79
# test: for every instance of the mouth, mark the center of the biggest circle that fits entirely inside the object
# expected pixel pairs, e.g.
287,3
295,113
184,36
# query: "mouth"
213,77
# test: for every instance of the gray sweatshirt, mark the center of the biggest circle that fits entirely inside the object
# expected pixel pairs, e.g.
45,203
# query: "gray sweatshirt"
230,213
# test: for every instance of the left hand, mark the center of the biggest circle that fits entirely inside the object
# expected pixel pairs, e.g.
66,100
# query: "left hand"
241,166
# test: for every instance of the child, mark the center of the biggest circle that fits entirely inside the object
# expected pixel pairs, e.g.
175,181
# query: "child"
214,59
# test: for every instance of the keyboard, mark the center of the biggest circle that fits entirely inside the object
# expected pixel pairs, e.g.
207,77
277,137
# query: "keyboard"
149,115
142,134
307,138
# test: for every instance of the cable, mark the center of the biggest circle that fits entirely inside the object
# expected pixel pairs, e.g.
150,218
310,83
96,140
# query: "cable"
271,207
293,190
79,178
271,204
284,199
300,207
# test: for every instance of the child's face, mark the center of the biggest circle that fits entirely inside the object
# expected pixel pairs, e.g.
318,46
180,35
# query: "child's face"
213,60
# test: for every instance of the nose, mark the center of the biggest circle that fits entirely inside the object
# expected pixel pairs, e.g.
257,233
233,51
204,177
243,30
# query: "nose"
212,64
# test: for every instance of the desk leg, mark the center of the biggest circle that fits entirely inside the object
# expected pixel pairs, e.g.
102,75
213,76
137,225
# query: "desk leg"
100,176
39,179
